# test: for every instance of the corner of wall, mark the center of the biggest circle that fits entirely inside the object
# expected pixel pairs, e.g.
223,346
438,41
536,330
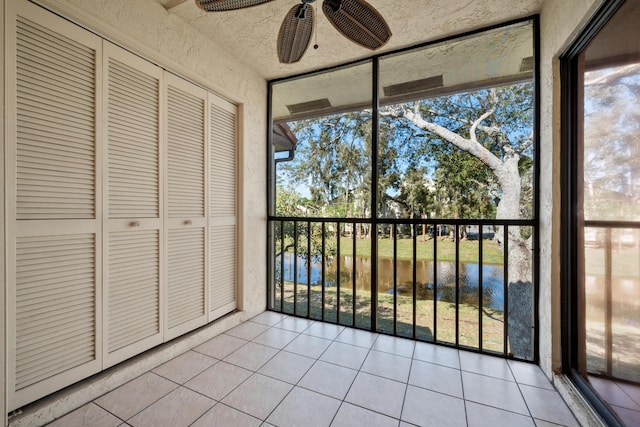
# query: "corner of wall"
559,24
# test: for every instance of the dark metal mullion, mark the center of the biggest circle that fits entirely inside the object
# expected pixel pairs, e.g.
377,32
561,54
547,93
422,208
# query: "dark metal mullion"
308,268
505,285
415,261
338,235
395,277
435,283
375,130
323,269
281,266
457,269
353,278
295,268
480,289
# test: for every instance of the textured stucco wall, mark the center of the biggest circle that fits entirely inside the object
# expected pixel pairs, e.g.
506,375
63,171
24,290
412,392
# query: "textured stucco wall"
146,28
560,22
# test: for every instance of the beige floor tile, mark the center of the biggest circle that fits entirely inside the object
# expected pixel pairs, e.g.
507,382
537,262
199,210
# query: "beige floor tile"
224,416
486,365
184,367
428,408
387,365
305,408
294,324
494,392
329,379
548,405
307,345
287,367
346,355
350,415
268,318
486,416
324,330
377,394
89,415
219,380
357,337
437,378
529,374
437,354
220,346
258,396
394,345
132,397
277,338
247,330
180,408
251,356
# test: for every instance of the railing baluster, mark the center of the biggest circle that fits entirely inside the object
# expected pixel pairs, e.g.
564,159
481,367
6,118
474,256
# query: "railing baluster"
480,289
457,270
414,276
295,267
395,277
435,283
308,268
323,268
281,266
353,294
338,237
505,282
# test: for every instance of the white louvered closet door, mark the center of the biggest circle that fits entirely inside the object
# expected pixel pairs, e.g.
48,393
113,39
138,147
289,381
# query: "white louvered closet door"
222,207
53,203
132,199
185,215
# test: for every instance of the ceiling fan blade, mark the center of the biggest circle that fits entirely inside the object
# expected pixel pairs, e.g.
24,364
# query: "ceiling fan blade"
358,21
222,5
295,34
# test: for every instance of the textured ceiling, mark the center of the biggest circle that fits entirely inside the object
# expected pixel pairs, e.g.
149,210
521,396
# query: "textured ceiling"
250,34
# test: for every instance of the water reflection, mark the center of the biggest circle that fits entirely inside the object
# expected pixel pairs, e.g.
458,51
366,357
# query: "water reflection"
469,276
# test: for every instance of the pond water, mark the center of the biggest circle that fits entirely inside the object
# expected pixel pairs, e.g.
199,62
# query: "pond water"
468,273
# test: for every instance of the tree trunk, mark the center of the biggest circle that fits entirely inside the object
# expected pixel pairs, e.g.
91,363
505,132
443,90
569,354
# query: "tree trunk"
520,289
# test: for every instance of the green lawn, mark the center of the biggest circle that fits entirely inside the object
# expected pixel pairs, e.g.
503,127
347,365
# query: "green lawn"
468,249
468,315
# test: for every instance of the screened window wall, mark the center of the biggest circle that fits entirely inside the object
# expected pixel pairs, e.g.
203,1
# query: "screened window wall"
403,195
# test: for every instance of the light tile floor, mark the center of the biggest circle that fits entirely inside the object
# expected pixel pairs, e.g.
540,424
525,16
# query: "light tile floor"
276,370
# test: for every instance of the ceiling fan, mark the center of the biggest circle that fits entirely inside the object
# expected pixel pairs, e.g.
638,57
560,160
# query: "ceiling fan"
357,20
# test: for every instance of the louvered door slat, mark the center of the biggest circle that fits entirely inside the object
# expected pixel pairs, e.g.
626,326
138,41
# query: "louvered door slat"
48,316
125,145
222,207
134,287
52,68
133,255
185,151
185,275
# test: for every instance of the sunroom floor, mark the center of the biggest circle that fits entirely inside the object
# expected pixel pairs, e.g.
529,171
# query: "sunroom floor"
286,371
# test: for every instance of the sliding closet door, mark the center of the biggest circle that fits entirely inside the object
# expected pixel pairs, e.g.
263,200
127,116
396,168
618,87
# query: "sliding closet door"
133,203
222,207
53,203
185,216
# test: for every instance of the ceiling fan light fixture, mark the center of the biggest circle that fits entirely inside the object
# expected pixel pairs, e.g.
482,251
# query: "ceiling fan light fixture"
358,21
224,5
295,34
